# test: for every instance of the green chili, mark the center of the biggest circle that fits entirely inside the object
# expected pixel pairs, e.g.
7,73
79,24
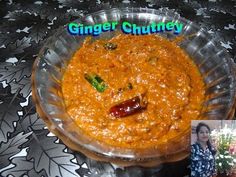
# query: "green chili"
96,81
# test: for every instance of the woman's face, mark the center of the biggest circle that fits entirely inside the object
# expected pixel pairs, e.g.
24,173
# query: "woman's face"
203,134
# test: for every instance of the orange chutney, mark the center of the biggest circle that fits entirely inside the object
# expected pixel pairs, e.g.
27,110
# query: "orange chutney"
156,67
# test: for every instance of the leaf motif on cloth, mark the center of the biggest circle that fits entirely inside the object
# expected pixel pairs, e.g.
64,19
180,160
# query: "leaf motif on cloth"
10,72
11,148
24,85
22,166
14,48
50,156
8,111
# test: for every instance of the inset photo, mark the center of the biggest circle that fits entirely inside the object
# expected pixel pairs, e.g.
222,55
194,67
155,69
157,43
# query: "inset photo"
213,148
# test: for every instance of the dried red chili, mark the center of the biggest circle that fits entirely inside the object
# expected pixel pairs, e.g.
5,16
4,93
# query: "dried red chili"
129,107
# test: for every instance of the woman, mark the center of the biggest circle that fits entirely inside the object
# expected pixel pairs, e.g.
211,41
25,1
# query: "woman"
202,153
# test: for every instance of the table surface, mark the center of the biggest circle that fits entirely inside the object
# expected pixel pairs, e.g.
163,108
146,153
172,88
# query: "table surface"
26,146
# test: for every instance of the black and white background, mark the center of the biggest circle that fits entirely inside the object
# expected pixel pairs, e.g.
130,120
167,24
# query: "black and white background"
27,148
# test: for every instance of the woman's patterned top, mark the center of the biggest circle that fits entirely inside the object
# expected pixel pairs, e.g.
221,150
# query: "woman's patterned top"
202,161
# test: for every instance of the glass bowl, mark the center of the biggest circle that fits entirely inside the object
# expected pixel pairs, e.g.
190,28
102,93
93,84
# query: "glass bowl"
213,62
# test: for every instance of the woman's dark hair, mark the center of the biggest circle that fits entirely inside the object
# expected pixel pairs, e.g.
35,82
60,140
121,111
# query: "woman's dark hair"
201,124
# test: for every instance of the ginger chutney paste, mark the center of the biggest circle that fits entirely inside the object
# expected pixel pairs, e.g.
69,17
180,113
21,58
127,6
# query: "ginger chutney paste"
132,91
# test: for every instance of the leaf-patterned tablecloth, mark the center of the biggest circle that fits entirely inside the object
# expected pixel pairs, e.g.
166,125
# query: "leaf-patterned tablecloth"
27,148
